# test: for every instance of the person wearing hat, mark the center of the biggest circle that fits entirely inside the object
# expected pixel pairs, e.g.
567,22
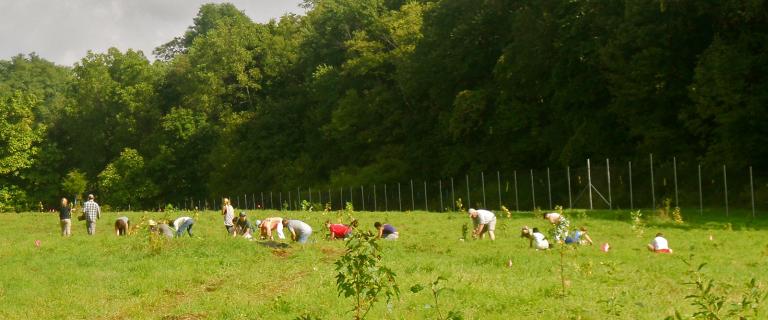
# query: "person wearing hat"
484,221
182,224
92,212
243,226
160,228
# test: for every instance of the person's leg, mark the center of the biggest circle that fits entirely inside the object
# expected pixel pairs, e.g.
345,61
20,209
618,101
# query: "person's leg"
63,227
191,223
91,227
302,238
69,227
492,229
280,233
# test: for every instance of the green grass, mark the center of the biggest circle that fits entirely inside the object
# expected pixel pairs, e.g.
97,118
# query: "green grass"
212,276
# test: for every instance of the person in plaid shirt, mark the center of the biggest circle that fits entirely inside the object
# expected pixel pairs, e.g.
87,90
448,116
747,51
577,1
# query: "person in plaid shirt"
92,213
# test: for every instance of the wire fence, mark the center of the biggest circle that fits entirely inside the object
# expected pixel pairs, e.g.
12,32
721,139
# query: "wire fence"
599,184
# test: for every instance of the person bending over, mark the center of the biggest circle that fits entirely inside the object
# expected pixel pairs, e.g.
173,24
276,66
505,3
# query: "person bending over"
484,221
182,224
300,231
579,237
121,226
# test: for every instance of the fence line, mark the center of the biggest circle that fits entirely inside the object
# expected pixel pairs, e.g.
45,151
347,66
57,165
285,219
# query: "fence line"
683,182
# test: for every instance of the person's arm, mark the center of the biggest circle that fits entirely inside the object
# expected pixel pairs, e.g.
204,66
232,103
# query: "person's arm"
98,212
479,229
588,239
293,234
269,232
381,232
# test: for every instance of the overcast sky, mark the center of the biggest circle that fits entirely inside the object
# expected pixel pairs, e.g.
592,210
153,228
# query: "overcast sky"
63,31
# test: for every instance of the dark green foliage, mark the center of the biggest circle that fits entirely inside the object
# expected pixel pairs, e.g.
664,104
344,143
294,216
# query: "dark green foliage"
381,91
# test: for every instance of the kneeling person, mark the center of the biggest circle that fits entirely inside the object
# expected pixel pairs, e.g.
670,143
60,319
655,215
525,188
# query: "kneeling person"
386,231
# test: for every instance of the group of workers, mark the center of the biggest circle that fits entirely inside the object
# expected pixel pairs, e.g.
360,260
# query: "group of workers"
485,222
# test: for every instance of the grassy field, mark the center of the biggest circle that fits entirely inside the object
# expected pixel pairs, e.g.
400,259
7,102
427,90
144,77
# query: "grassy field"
212,276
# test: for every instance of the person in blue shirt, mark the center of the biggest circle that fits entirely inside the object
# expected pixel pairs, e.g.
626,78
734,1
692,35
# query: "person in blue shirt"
579,237
386,231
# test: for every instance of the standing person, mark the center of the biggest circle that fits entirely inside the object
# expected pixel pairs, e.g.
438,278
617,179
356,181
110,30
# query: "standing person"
386,231
659,244
561,224
300,231
182,224
65,218
229,214
484,221
272,223
121,226
92,213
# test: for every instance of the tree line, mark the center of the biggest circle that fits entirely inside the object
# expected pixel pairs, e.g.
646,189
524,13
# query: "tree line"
364,91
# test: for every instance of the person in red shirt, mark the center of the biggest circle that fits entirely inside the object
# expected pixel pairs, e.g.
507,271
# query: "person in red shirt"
340,231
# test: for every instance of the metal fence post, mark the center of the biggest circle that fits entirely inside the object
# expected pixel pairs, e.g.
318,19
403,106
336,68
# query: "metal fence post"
533,192
517,203
374,197
351,196
386,201
341,198
426,206
631,195
271,204
549,189
440,186
469,197
280,200
568,174
253,199
413,200
674,175
290,201
498,187
482,180
246,201
589,184
653,191
238,202
399,198
608,170
309,192
725,186
453,196
752,191
362,196
263,205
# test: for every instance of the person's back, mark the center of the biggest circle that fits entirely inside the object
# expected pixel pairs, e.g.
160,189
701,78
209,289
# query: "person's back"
539,240
659,244
183,224
121,226
299,229
339,230
485,216
165,230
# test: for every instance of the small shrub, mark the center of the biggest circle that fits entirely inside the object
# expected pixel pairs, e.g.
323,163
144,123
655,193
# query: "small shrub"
506,211
361,274
677,216
459,205
438,287
638,225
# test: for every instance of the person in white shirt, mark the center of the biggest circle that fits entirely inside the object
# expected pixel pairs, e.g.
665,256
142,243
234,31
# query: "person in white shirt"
659,244
182,224
229,214
537,239
484,221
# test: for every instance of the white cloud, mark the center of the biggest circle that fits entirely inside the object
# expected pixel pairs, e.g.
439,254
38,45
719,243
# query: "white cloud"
64,30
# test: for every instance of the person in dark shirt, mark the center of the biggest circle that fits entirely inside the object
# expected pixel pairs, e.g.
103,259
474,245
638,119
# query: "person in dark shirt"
65,218
386,231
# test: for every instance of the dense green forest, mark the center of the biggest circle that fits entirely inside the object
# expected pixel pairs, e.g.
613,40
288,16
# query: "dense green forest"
364,91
